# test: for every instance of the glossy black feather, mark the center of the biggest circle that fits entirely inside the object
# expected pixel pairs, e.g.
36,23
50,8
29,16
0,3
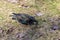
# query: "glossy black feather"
25,19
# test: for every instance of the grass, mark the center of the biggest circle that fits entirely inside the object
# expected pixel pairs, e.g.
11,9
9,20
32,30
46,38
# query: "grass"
50,8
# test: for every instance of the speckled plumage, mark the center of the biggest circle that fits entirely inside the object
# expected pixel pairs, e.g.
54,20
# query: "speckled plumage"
25,19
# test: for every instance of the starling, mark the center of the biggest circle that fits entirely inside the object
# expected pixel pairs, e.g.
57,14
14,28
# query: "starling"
24,19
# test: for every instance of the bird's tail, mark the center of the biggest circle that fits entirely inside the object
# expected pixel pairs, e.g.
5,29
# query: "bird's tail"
14,13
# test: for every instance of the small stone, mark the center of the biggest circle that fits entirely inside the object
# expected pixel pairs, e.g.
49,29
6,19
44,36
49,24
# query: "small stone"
55,27
39,14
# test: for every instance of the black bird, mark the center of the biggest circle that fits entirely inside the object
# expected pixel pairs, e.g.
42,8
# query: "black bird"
25,19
